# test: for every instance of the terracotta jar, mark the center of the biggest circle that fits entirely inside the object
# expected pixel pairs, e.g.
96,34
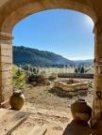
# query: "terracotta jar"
17,100
81,110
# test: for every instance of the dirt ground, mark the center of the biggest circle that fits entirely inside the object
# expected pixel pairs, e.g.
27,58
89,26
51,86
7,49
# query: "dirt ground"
40,97
47,109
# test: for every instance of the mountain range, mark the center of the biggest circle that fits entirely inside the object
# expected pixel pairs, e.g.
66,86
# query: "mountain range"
25,55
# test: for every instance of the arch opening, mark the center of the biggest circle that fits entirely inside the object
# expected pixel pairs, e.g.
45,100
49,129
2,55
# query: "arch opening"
22,9
86,22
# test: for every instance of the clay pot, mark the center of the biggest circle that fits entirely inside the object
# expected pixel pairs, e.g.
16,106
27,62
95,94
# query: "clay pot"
17,100
80,110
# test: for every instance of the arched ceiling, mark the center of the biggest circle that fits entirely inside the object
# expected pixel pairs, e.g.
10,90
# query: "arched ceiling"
12,11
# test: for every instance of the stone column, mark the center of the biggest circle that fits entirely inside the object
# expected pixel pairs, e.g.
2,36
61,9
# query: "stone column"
97,101
5,68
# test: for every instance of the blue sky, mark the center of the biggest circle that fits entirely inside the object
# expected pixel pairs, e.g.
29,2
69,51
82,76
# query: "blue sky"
65,32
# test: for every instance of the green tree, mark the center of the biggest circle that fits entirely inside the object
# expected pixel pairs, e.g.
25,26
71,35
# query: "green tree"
76,70
82,70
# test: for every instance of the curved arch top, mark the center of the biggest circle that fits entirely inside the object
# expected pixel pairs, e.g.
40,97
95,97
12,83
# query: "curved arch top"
31,7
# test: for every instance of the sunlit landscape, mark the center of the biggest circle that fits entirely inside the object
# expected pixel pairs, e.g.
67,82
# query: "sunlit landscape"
53,61
50,67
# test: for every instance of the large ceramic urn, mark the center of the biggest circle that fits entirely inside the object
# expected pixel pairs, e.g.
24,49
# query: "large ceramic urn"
17,100
81,110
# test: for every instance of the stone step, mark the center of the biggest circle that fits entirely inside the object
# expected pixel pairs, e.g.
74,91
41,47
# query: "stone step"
53,132
29,126
39,130
25,127
54,129
38,126
30,130
22,123
10,120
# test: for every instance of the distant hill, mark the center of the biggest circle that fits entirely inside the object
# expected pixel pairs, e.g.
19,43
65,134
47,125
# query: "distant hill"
24,55
78,62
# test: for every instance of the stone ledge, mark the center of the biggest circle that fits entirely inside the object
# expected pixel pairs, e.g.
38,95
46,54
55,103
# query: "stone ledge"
5,36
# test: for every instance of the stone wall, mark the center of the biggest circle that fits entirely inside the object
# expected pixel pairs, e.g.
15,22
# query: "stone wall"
5,67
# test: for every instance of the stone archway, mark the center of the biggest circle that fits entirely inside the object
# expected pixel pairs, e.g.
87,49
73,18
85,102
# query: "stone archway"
13,12
31,7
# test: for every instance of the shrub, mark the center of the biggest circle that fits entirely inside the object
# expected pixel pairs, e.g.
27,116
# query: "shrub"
19,80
